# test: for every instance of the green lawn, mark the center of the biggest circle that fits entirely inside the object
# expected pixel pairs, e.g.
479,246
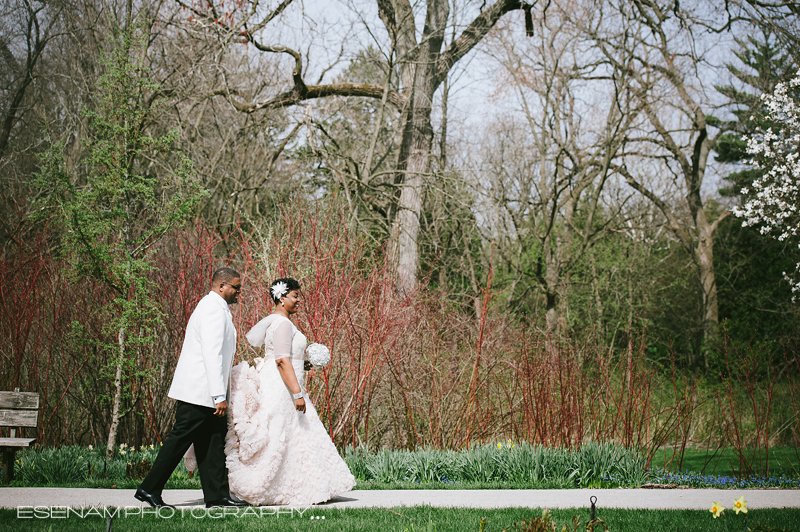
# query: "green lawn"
400,519
782,461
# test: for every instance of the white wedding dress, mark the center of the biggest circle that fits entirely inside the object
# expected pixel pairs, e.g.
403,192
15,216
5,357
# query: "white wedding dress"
277,455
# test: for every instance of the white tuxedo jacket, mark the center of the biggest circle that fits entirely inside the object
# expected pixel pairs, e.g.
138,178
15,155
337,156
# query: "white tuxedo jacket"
204,367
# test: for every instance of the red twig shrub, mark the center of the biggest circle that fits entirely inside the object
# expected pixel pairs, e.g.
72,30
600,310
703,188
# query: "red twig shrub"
407,370
746,404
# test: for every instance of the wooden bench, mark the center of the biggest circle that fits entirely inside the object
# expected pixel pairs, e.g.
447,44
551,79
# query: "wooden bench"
17,409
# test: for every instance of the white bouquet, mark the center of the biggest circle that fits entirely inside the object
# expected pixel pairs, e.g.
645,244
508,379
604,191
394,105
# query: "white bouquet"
319,355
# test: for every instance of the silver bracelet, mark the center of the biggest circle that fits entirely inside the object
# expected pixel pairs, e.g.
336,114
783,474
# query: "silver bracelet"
298,395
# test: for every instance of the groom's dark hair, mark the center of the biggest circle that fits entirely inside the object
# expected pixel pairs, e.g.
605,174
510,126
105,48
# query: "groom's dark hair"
224,274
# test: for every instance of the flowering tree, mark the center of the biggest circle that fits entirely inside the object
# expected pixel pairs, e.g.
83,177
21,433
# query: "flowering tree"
773,201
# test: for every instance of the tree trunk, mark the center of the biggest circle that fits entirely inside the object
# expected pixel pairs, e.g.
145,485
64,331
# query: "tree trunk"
704,252
629,360
415,150
552,310
423,67
558,253
112,432
598,302
704,249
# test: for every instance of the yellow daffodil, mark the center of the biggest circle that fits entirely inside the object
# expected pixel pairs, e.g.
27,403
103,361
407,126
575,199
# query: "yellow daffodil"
740,505
717,509
122,453
499,445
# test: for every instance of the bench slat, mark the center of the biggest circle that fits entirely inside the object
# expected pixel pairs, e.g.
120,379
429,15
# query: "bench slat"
16,442
18,418
19,400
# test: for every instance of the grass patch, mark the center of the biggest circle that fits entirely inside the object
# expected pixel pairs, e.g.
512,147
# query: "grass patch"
403,519
783,461
697,480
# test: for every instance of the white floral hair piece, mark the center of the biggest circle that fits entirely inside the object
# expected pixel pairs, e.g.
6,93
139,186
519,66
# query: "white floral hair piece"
279,290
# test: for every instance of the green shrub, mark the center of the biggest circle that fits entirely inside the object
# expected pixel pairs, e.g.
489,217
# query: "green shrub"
53,466
592,464
521,464
388,466
356,460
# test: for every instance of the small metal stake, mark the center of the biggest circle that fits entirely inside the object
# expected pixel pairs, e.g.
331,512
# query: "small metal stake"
109,524
592,516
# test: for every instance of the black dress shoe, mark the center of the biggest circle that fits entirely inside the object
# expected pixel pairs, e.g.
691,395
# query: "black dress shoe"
226,501
153,499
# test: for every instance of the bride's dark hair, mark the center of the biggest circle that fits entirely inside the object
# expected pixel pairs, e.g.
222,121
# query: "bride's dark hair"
290,283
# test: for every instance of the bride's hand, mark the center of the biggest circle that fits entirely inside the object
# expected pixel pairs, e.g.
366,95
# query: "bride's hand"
300,405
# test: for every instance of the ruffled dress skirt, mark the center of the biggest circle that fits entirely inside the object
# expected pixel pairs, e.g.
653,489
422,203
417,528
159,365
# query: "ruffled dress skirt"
275,454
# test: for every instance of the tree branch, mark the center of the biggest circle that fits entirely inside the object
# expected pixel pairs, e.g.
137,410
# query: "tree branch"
718,220
310,92
674,224
476,31
398,17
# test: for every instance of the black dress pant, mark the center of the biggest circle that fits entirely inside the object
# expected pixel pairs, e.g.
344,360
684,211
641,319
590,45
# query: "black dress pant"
194,424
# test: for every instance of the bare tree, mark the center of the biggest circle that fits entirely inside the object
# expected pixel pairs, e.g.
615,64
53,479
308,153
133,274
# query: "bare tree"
549,171
423,66
238,154
664,64
781,17
26,30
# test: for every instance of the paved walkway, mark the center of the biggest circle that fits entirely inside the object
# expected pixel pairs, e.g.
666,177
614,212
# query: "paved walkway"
654,499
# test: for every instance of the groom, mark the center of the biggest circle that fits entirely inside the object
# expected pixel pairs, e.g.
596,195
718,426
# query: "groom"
201,386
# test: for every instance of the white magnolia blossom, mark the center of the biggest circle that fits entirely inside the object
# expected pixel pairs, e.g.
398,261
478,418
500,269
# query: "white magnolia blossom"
775,196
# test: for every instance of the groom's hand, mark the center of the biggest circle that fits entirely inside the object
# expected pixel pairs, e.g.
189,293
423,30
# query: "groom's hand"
222,409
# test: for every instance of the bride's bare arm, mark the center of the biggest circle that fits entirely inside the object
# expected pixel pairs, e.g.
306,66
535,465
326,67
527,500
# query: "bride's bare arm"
282,344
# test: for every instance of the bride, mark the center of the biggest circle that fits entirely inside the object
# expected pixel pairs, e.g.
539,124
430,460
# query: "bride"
278,451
